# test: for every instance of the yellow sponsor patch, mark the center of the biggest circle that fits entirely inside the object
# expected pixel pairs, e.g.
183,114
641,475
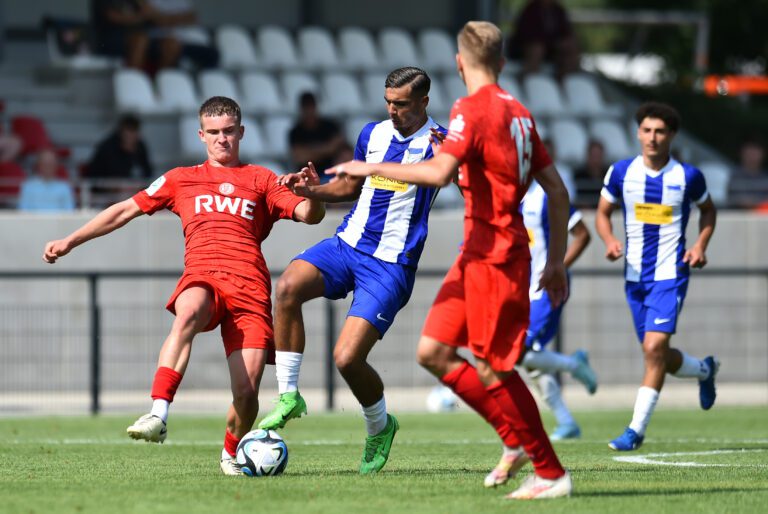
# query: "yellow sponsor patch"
531,239
389,184
653,213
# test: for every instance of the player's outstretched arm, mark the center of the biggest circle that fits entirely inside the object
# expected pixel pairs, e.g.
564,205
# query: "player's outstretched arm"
106,221
554,278
580,238
604,227
436,172
306,183
696,255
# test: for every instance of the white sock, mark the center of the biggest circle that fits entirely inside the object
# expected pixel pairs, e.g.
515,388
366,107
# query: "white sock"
549,362
375,417
644,405
160,409
692,367
550,391
511,451
287,365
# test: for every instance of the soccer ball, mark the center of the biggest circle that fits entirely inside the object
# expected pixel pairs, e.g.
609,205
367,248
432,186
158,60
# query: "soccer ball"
262,453
441,399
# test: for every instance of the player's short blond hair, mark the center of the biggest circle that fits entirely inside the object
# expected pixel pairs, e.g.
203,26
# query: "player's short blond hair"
480,43
220,106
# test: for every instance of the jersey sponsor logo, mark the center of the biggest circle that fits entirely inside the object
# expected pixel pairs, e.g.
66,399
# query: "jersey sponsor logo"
653,213
156,185
531,238
457,124
237,206
226,188
389,184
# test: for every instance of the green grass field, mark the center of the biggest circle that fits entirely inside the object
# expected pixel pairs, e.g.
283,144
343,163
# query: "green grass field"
437,465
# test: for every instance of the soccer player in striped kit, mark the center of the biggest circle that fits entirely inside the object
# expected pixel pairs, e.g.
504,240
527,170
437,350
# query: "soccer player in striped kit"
656,192
374,254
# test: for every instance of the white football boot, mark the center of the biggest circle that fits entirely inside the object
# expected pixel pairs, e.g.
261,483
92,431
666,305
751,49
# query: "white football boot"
229,466
536,488
148,427
507,468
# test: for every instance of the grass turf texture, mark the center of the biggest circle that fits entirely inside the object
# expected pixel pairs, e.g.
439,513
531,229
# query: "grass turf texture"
437,465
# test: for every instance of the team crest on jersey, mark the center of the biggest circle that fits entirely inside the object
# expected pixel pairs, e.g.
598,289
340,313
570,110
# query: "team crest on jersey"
457,124
226,188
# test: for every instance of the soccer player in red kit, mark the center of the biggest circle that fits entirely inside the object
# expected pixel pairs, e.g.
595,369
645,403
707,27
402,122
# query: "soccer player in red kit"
483,303
227,209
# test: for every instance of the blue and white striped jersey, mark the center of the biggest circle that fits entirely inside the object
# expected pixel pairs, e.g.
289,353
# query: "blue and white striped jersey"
389,220
536,219
656,206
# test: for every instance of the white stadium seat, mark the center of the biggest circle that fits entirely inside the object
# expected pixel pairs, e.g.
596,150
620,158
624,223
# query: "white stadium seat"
277,48
570,140
543,95
176,90
261,94
341,94
218,83
612,136
252,146
192,149
454,87
373,92
397,48
438,50
296,83
584,97
354,126
510,85
317,49
134,93
439,102
276,129
358,50
235,47
717,175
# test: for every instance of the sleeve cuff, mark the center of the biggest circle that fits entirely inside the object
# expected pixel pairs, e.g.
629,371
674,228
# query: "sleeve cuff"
608,196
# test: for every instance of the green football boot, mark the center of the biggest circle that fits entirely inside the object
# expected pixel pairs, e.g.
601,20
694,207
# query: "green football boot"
290,405
377,447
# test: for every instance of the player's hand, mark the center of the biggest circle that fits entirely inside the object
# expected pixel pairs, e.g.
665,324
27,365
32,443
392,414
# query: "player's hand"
613,250
56,249
436,139
555,282
300,183
350,168
695,257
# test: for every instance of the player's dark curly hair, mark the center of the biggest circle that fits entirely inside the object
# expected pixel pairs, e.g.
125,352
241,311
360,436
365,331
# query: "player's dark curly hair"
660,111
410,75
220,106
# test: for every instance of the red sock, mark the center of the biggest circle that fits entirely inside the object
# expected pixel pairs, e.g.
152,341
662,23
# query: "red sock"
465,382
519,407
166,382
230,443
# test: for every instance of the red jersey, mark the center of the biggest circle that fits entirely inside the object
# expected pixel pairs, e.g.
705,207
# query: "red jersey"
494,138
225,212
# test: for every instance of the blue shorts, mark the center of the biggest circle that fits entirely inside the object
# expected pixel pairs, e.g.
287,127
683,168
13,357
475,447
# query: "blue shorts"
656,305
544,321
380,288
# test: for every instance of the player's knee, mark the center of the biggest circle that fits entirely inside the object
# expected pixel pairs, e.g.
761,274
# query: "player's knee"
186,320
288,290
346,360
244,394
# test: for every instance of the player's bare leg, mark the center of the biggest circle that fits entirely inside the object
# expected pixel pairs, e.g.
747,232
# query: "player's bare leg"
194,309
300,283
246,367
357,338
444,362
516,402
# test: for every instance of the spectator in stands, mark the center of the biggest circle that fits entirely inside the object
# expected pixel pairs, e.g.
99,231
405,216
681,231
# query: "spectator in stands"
10,147
543,32
749,182
178,19
122,154
121,29
44,190
314,138
589,177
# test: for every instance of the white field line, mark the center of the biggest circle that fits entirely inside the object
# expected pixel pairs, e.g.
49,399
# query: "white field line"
652,458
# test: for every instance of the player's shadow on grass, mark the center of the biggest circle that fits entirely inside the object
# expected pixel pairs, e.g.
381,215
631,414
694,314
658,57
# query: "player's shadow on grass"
668,492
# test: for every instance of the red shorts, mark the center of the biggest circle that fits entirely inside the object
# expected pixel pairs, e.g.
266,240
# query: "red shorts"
483,307
242,307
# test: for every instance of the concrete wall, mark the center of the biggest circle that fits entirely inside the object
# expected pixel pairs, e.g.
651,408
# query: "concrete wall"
44,323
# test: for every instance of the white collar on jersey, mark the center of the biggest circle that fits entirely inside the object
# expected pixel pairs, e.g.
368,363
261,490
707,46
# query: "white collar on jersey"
671,163
423,130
